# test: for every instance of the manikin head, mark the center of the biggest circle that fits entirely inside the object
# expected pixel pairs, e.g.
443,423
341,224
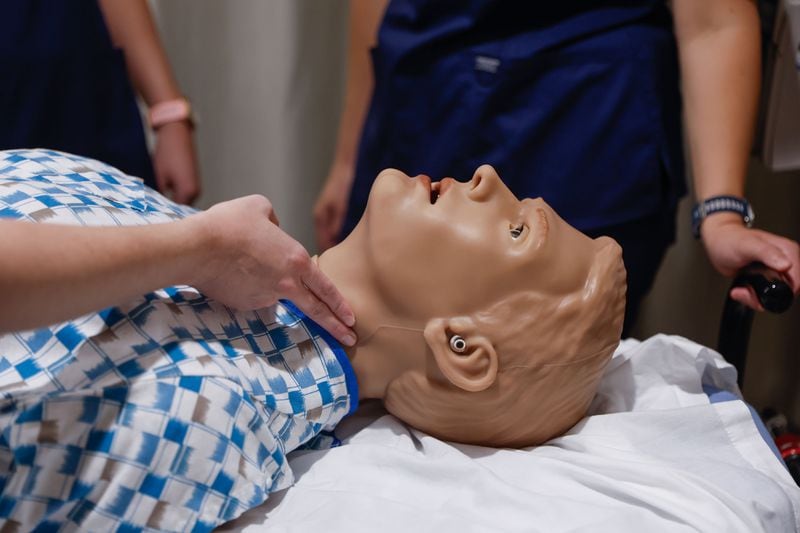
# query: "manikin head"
481,318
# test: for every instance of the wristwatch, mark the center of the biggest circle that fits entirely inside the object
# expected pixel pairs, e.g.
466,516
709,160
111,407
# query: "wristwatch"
717,204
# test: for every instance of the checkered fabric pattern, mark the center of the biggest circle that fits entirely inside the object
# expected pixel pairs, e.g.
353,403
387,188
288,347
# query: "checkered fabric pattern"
172,412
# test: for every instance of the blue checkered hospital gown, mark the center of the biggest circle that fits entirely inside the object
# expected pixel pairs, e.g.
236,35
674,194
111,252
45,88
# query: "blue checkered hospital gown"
171,412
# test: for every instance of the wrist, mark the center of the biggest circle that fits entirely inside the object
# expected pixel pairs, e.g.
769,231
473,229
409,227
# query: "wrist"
183,127
719,221
342,171
204,252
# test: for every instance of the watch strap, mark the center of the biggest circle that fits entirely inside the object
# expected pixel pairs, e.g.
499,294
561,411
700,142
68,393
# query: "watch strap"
718,204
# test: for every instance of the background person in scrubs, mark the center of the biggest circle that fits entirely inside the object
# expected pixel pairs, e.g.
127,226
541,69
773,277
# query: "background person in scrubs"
69,71
578,102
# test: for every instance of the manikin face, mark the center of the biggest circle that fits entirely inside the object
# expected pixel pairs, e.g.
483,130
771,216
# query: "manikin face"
537,304
465,245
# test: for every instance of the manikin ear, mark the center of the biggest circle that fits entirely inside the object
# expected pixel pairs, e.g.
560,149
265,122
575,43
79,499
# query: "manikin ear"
466,358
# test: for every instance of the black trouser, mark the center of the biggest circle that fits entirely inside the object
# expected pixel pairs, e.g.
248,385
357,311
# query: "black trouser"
644,242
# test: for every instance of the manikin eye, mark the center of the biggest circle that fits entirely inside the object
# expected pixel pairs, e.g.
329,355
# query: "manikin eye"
516,231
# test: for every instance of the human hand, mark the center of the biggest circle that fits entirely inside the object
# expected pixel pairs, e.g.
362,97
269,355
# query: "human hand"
252,263
331,205
731,246
175,162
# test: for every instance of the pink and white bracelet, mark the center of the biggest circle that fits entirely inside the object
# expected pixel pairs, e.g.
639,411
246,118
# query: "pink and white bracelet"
170,111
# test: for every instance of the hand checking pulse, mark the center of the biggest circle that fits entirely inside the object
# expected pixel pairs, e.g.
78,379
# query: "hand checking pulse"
258,264
234,252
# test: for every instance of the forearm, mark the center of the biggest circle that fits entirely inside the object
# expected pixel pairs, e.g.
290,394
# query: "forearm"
364,20
74,270
132,29
719,47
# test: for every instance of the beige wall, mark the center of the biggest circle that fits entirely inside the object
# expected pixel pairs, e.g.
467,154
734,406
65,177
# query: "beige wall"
266,78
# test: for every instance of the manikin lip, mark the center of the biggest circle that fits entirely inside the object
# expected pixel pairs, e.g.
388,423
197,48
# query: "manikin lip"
445,185
424,180
431,188
438,188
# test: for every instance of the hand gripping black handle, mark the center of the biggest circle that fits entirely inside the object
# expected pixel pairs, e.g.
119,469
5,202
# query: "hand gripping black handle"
770,287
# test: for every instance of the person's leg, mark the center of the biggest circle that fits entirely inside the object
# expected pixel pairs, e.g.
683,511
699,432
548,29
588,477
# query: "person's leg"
644,242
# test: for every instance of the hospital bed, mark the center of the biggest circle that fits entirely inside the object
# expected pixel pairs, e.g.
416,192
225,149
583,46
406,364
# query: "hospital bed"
656,453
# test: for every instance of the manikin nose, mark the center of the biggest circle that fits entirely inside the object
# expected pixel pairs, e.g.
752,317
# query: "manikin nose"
487,185
484,182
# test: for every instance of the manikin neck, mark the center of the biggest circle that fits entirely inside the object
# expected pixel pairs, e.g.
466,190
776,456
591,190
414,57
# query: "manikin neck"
387,345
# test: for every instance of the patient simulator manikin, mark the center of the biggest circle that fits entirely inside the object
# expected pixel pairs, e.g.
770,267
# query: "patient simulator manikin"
482,319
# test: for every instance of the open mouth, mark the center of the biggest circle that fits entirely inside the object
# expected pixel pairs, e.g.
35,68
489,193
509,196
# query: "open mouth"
439,188
435,192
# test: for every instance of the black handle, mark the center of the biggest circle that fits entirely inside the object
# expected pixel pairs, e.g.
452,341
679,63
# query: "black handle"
775,296
770,287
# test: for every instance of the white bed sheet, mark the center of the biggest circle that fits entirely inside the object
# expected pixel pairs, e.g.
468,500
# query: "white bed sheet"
654,455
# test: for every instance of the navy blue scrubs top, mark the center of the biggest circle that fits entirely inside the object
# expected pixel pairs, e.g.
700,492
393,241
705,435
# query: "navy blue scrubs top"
64,86
576,101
